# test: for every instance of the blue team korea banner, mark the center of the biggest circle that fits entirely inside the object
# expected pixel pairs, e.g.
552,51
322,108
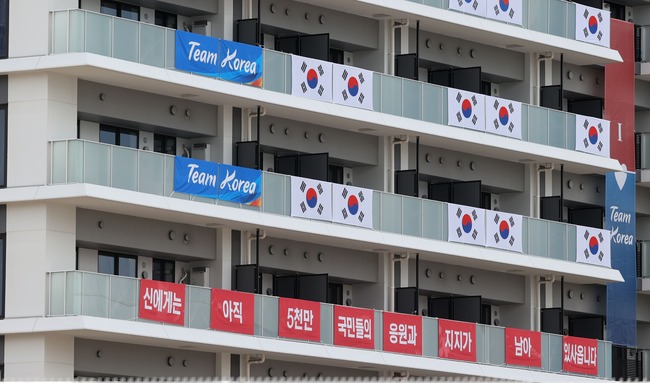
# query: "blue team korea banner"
241,63
197,53
196,177
240,185
620,220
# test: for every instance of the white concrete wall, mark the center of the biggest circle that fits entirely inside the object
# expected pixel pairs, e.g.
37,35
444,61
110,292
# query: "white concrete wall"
39,357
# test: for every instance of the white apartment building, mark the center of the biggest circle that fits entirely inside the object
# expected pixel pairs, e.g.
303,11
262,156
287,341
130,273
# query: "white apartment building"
431,189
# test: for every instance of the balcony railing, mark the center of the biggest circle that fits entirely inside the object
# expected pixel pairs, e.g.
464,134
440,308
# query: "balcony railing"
79,161
115,297
555,17
85,31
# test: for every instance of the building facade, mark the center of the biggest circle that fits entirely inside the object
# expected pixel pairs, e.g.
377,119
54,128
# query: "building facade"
382,189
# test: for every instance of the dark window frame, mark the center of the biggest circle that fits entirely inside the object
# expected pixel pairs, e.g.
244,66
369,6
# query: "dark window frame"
120,8
116,262
163,262
118,131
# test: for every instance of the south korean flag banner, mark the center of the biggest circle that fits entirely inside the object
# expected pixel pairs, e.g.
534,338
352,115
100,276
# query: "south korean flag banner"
510,11
503,230
592,135
352,86
311,78
592,25
352,205
311,199
474,7
465,109
465,224
593,246
503,117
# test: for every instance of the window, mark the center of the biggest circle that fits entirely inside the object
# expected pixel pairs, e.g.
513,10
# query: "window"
3,146
3,257
117,264
118,136
164,144
166,19
4,29
163,270
118,9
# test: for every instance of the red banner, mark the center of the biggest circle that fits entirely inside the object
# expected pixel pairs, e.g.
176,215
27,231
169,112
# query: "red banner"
354,327
299,319
232,311
402,333
523,347
162,302
580,355
457,340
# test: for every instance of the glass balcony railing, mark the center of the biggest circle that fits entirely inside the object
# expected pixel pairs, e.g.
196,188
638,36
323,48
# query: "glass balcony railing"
555,17
115,297
84,31
79,161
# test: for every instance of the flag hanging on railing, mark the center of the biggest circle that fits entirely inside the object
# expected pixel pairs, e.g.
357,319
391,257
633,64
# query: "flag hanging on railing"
510,11
311,78
592,135
503,230
592,25
474,7
593,246
465,109
465,224
503,117
352,86
352,205
311,199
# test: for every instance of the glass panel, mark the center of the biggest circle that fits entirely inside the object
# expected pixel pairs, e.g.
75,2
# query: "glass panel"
555,352
557,23
59,154
557,129
169,175
326,323
97,164
379,330
73,293
391,213
98,34
540,21
571,244
432,103
430,333
199,307
170,48
152,45
125,43
537,124
75,161
60,31
524,122
432,212
125,175
538,237
496,337
570,131
124,298
645,264
150,172
57,295
274,71
480,343
270,316
77,34
557,240
412,100
391,95
570,21
412,216
273,194
95,295
546,352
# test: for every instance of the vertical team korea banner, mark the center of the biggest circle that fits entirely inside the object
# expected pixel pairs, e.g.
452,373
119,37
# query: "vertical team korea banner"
457,340
592,25
503,230
510,11
592,135
352,86
593,246
311,78
299,319
465,109
354,327
162,302
465,224
402,333
311,199
352,205
503,117
474,7
580,355
523,347
232,311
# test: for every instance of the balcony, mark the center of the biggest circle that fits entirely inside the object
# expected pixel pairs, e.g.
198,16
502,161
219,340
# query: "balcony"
84,31
642,158
79,161
106,296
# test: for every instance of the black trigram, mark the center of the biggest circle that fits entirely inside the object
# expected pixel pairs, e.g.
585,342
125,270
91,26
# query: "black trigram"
344,194
303,207
361,79
303,67
320,209
511,13
361,215
320,70
344,212
474,119
496,10
319,187
474,234
475,5
303,186
361,197
303,86
320,90
344,75
361,98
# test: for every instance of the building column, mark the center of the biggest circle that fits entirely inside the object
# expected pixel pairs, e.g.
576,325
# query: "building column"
39,357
